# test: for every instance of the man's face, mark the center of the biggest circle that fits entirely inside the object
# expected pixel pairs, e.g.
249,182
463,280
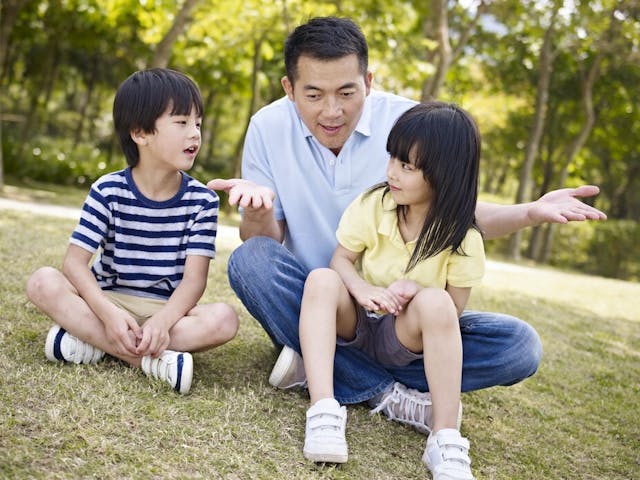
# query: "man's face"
329,97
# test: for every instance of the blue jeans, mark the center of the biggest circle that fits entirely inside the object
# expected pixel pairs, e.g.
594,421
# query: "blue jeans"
497,349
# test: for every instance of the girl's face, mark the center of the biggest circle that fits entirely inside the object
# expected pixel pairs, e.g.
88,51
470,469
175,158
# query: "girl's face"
407,183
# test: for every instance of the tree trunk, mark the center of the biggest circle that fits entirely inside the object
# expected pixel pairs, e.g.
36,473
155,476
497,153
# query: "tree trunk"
579,141
437,27
257,65
432,84
531,151
8,13
163,49
86,101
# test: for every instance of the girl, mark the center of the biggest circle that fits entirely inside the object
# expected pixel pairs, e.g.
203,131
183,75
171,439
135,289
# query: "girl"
408,254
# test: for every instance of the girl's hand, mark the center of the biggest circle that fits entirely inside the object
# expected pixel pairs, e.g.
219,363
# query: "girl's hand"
404,291
378,299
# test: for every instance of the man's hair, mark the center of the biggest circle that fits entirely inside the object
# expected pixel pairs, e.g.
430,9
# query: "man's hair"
444,141
325,38
144,97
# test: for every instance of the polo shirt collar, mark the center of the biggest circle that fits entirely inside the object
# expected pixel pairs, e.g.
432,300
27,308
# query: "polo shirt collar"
389,216
388,225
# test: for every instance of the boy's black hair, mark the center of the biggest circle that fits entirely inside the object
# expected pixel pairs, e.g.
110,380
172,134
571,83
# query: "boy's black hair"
143,97
325,38
445,143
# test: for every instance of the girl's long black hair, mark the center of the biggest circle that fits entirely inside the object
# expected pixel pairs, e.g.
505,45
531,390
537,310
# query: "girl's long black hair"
444,141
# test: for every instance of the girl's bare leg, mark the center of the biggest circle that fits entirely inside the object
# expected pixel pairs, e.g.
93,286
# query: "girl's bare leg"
430,324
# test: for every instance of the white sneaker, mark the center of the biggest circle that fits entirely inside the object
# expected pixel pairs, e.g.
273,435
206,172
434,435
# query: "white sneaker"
176,368
447,456
61,346
288,372
406,405
324,439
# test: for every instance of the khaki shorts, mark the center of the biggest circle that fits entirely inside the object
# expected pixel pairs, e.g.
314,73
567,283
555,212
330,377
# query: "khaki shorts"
140,308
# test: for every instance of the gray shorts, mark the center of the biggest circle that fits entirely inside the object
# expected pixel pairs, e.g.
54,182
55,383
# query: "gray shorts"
376,336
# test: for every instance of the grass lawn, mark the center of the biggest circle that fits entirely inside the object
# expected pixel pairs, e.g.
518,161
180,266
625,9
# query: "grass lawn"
577,418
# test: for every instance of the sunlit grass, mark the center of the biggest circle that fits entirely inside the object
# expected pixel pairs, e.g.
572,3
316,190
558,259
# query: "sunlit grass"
575,419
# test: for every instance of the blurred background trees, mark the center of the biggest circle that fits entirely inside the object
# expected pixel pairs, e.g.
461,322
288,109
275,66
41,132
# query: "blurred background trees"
552,84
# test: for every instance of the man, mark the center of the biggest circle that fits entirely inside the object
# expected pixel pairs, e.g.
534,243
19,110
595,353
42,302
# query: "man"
306,157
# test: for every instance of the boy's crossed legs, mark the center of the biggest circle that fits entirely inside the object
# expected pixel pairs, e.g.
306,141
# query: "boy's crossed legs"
204,327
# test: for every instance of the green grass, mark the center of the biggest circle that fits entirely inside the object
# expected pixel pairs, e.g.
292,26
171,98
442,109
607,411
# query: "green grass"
577,418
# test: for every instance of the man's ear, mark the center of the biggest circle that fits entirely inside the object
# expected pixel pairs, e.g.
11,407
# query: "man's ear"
138,136
368,79
288,87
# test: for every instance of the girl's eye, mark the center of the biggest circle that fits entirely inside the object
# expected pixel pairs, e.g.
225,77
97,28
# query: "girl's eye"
407,166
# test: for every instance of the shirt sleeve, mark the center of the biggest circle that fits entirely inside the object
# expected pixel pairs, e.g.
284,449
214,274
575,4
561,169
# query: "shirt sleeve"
355,224
94,221
256,165
467,270
202,235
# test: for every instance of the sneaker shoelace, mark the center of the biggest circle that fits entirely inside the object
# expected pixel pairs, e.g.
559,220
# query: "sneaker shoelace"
406,406
83,352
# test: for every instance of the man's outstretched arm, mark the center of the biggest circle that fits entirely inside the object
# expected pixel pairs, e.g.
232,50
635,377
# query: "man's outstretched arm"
557,206
257,204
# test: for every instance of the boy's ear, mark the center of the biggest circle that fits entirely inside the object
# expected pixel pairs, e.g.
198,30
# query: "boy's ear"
139,136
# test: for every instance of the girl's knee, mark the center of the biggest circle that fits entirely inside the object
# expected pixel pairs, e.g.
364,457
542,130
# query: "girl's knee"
433,307
321,279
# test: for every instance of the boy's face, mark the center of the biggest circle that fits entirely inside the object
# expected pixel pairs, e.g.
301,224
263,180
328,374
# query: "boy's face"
329,97
175,142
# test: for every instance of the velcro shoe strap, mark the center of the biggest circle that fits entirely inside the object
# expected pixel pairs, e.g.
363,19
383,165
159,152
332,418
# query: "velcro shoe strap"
322,420
453,440
456,455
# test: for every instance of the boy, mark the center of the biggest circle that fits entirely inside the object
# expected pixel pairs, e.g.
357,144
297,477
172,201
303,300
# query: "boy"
153,228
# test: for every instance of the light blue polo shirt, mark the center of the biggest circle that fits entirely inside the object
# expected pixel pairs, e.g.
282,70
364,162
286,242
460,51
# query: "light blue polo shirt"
312,185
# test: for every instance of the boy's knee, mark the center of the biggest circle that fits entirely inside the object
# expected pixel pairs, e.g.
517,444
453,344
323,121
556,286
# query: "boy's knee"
225,322
40,282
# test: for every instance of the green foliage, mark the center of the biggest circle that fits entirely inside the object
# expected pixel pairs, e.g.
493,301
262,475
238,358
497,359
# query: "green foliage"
614,250
58,161
610,248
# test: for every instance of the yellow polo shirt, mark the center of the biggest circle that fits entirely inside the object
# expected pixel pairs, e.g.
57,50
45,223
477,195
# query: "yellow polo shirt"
370,225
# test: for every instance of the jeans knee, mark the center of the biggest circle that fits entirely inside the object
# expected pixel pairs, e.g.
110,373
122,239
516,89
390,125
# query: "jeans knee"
533,346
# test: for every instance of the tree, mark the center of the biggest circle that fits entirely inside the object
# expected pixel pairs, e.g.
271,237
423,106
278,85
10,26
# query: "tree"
545,68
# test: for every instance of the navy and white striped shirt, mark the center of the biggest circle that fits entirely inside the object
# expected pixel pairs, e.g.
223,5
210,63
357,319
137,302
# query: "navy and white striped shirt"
143,243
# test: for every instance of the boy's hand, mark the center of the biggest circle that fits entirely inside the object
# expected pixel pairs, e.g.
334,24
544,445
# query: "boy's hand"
123,332
155,338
